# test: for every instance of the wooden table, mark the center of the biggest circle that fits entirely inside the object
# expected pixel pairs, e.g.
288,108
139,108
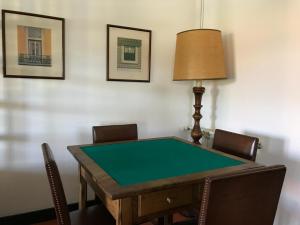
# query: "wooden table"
140,197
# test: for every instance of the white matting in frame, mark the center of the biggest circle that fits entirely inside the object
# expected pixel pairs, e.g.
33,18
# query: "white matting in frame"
33,45
128,54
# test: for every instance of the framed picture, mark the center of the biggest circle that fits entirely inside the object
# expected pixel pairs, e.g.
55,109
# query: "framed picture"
128,54
33,45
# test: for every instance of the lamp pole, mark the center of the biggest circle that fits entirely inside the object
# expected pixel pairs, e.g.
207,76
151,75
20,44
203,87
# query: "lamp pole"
196,131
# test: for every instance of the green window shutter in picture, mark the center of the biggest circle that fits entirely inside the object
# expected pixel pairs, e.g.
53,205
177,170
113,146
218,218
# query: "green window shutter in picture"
129,53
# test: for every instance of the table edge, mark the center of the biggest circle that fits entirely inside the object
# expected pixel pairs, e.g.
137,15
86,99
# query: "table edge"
114,191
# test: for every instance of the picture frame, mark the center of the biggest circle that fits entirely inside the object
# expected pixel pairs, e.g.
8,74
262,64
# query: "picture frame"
128,54
33,45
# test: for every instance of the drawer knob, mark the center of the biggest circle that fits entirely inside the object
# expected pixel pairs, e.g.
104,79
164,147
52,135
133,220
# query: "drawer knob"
169,200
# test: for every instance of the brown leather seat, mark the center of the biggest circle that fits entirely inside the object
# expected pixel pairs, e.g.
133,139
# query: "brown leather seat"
114,133
249,197
90,216
235,144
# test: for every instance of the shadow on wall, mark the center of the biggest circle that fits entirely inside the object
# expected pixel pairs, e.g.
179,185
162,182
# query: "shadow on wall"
35,190
229,55
214,92
10,137
273,152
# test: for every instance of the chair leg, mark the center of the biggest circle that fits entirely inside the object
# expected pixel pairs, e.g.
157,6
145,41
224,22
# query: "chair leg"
165,220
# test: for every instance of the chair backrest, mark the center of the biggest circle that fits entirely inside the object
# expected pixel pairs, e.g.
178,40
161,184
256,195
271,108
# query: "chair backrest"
235,144
245,198
114,133
57,191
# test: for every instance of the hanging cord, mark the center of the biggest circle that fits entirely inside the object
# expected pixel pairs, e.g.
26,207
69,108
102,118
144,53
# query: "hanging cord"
201,13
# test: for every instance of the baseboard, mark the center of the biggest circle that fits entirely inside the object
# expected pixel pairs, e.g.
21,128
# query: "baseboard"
37,216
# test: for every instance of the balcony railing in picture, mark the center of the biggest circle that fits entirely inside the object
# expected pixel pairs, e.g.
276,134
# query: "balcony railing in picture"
34,60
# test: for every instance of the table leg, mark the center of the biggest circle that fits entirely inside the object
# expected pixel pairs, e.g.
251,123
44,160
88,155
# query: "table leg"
82,189
125,212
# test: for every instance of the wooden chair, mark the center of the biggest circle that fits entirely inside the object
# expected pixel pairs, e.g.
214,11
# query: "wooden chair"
114,133
244,198
89,216
235,144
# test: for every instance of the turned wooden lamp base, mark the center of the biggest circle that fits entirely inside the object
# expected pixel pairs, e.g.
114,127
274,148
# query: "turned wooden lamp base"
199,56
196,131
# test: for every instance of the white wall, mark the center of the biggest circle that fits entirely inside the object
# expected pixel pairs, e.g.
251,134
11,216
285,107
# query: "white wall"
261,96
63,112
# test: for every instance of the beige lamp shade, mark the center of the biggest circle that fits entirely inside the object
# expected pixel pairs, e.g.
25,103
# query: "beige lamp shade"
199,55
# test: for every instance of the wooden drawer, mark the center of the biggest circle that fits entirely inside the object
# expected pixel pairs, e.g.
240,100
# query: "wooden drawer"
159,201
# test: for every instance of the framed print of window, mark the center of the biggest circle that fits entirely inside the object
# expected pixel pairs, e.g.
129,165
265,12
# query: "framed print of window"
128,54
33,45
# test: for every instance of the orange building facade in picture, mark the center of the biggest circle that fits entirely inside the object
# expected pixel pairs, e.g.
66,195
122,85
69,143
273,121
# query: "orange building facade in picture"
34,46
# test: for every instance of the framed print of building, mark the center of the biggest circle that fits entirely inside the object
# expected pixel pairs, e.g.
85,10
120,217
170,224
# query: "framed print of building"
128,54
33,45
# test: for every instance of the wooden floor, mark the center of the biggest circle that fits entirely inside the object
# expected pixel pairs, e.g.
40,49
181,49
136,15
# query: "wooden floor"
177,218
50,222
53,222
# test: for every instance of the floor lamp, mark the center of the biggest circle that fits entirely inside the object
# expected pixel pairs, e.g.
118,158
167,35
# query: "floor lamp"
199,56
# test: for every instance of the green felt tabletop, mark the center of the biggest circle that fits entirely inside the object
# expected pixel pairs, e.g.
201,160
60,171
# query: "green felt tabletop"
142,161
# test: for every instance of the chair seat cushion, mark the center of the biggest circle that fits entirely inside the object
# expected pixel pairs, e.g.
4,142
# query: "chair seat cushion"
92,215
